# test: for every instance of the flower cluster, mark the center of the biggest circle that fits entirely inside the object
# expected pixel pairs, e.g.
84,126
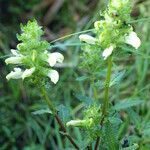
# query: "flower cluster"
90,122
114,29
31,57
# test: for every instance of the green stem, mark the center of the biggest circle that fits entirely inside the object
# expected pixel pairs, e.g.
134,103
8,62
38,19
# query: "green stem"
54,112
105,105
107,84
49,103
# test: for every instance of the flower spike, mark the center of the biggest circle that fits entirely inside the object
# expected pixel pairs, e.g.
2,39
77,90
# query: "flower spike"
32,53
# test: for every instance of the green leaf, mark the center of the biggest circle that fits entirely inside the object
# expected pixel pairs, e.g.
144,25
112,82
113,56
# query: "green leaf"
34,147
83,78
111,136
134,147
134,117
146,132
86,100
117,78
42,111
63,113
127,103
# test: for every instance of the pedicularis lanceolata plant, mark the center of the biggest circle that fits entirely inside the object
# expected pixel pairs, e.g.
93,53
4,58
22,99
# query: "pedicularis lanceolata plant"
33,62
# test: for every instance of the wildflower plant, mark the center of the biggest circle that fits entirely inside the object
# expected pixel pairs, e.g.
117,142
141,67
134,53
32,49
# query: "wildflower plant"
33,61
100,120
32,58
112,32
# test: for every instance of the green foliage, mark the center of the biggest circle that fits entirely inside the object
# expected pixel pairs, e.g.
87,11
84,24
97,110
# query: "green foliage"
42,111
26,126
90,122
110,137
64,113
115,25
32,46
134,147
84,99
90,59
124,104
31,32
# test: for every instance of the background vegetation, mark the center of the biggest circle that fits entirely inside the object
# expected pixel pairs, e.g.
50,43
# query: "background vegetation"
23,128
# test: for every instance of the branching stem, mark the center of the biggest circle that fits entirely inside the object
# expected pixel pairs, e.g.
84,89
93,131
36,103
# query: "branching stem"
54,111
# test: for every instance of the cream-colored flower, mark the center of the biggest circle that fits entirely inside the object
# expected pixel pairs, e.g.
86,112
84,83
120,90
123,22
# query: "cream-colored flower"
28,72
16,74
55,57
53,75
107,52
16,59
133,40
13,60
87,38
75,123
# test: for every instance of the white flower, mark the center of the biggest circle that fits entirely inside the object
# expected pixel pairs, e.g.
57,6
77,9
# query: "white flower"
133,40
107,52
55,57
13,60
75,122
87,38
28,72
15,52
16,59
16,74
53,75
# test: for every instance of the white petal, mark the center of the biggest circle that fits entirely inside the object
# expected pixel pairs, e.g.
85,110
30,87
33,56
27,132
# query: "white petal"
133,40
17,69
28,72
55,57
13,60
15,52
16,74
107,52
53,75
87,38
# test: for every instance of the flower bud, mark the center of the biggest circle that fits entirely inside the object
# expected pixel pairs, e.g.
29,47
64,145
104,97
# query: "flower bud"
87,38
13,60
107,52
76,123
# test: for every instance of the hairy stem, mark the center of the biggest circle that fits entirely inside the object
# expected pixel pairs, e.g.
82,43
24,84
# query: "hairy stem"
107,84
105,105
54,111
